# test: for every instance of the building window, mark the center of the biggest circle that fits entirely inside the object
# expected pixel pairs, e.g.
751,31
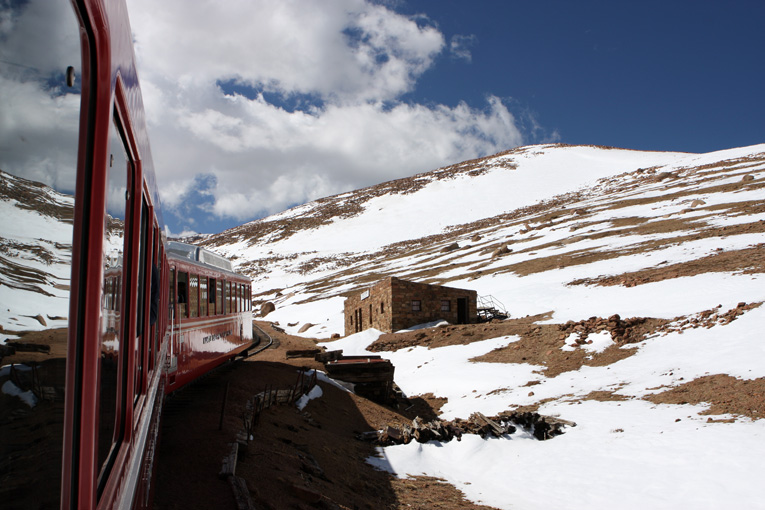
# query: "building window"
446,305
416,305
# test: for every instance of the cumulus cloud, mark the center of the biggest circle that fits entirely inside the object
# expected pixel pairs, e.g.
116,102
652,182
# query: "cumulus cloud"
270,104
39,115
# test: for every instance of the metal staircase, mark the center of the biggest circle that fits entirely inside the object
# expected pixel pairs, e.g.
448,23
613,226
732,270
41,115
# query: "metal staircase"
490,308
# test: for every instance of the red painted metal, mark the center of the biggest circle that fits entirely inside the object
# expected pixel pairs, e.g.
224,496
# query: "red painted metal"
110,89
202,343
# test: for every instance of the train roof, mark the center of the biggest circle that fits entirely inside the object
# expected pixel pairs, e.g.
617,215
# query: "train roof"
199,255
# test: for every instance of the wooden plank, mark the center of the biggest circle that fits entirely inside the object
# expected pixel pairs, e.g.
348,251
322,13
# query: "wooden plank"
495,427
302,353
323,357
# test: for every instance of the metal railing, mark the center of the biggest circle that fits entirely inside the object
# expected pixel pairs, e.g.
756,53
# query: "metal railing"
490,307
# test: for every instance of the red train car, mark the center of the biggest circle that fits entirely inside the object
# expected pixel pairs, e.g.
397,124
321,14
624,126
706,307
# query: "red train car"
86,437
211,312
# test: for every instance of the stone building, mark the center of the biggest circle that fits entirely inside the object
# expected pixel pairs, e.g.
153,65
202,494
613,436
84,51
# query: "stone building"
393,304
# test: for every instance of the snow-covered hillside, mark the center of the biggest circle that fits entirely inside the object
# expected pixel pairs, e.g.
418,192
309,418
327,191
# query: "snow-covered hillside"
35,254
565,214
564,235
569,239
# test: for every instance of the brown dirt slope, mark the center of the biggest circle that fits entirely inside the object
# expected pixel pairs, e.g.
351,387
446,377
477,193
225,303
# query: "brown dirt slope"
302,460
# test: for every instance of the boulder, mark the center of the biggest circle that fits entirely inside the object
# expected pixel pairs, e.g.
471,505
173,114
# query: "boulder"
502,250
267,308
451,247
305,327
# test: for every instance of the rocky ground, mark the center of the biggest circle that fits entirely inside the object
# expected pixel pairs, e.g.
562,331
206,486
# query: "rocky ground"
310,459
314,458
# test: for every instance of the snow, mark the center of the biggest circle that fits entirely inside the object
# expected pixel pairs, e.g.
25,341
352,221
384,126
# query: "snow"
22,232
315,392
542,172
28,397
621,454
627,454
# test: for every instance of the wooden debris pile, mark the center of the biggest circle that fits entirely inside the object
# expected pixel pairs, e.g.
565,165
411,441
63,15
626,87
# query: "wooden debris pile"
541,427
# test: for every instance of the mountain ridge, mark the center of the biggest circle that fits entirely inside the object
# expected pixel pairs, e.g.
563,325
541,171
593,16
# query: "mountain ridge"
676,183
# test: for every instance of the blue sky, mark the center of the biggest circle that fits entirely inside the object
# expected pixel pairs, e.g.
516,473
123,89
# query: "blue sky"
266,104
651,75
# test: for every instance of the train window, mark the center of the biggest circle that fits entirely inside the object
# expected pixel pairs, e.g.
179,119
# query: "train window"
39,119
171,289
219,297
144,286
203,297
226,297
211,297
154,297
118,170
193,295
183,294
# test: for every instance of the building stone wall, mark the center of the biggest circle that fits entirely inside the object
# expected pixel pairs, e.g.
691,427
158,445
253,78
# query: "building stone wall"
393,304
369,308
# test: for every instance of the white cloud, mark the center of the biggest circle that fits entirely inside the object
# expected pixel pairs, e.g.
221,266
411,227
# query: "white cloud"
345,49
39,115
460,46
341,66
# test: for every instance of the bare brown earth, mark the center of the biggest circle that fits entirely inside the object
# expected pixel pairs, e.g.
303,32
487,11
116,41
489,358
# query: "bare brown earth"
747,261
31,446
314,459
726,394
301,460
539,344
478,251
